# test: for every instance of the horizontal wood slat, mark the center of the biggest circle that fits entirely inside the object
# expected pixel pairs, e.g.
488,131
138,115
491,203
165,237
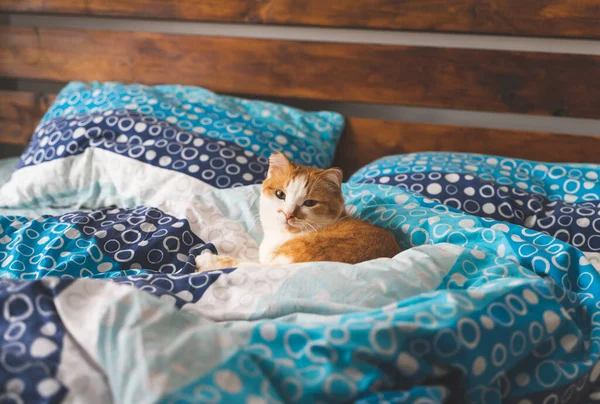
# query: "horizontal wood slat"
499,81
367,139
20,113
364,139
565,18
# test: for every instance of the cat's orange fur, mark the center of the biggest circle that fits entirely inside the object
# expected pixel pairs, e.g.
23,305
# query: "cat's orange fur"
349,240
295,232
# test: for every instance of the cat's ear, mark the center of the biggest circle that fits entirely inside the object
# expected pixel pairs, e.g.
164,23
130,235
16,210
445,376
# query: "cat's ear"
334,176
278,163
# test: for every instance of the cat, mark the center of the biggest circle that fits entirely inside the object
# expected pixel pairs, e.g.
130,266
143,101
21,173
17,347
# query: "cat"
304,219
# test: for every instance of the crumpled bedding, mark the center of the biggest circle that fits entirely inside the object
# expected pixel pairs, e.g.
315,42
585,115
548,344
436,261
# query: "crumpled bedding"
479,310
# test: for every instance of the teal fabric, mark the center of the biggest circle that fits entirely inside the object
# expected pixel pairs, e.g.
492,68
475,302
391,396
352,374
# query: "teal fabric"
259,127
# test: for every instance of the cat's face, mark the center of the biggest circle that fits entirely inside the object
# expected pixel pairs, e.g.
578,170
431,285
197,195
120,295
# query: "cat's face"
300,199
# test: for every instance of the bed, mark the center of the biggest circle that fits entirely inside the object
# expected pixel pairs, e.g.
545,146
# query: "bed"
154,153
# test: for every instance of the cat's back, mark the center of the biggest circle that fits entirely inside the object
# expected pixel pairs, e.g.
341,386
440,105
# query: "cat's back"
349,240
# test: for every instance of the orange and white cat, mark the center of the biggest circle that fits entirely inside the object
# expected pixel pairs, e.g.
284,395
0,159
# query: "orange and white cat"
304,219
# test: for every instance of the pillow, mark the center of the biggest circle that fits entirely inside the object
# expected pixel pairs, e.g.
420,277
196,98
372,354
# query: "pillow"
109,143
562,200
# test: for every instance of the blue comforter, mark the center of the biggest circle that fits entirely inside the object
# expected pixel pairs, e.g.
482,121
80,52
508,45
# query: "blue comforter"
485,305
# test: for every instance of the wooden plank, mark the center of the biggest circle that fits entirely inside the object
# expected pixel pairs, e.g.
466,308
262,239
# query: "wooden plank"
9,150
367,139
20,112
500,81
364,139
564,18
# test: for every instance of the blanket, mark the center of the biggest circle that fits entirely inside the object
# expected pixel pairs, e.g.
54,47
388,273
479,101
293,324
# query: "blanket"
104,305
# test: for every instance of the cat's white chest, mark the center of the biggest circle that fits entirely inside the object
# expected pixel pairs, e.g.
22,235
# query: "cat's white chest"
270,244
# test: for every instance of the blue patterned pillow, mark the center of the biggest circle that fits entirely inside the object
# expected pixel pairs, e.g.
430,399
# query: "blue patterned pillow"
561,200
259,127
95,133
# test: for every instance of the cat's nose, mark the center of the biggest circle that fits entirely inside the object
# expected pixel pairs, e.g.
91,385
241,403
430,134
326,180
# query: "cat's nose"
288,216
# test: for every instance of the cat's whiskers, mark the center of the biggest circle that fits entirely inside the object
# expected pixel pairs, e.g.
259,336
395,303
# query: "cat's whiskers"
317,225
296,224
311,226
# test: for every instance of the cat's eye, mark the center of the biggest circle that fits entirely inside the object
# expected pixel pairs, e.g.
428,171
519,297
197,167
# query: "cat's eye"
310,203
279,193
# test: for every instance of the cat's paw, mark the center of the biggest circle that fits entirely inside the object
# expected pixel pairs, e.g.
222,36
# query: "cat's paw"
207,262
211,262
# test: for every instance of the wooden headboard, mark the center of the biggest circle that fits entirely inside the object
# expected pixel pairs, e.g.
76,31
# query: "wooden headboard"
533,83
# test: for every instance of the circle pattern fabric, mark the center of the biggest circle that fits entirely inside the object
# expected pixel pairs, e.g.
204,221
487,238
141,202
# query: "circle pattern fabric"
141,239
108,242
32,339
559,200
515,317
31,249
568,182
148,140
259,127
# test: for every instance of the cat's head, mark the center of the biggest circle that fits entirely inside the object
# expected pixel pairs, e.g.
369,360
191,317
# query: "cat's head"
297,199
